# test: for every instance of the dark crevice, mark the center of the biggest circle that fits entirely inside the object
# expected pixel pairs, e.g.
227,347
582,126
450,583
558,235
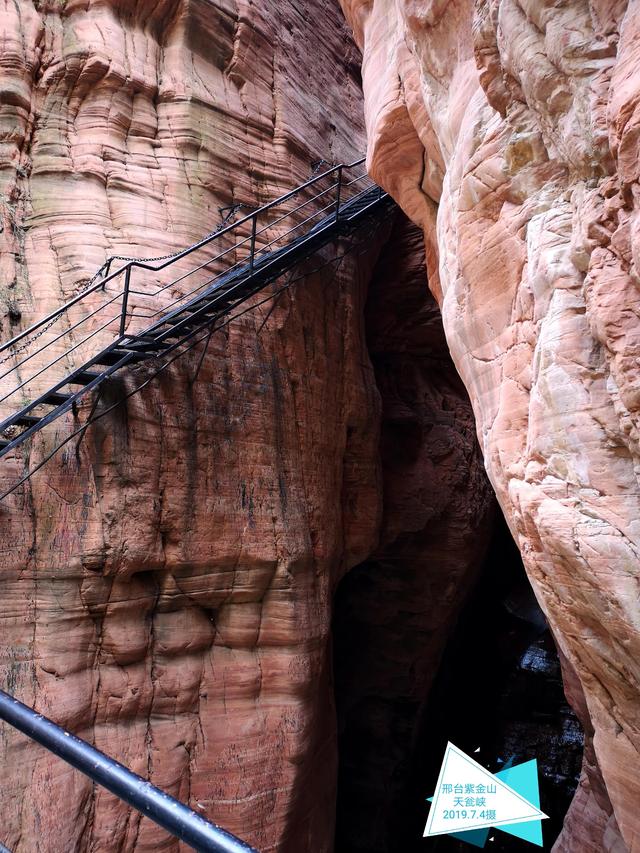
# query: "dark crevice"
437,636
497,687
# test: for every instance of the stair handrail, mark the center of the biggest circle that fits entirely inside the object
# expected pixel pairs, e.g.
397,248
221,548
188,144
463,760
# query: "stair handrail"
160,807
188,320
101,283
273,203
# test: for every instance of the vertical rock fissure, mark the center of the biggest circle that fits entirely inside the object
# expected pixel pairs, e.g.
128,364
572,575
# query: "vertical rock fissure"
442,611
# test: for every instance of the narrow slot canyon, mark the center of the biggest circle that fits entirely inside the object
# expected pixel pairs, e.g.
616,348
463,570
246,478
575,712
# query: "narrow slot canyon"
497,688
438,635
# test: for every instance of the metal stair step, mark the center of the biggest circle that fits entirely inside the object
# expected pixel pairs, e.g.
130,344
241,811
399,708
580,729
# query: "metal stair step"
55,399
4,442
357,207
186,329
169,332
210,303
113,356
215,303
145,346
84,378
138,339
28,421
185,318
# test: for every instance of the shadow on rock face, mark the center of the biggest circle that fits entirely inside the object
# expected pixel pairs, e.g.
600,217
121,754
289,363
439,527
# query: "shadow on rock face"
498,687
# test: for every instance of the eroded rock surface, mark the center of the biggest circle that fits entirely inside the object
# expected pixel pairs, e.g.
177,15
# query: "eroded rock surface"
508,129
166,583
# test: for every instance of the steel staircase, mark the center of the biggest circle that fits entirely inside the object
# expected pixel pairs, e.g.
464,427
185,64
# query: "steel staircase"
138,313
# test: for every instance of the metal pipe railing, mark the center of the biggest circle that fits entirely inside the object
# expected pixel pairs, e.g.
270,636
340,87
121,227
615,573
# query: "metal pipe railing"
257,252
166,811
248,239
236,246
103,282
60,358
338,192
62,335
253,252
166,307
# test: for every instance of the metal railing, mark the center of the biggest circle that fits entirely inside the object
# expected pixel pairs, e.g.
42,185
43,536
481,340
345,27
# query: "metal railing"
135,307
167,812
123,304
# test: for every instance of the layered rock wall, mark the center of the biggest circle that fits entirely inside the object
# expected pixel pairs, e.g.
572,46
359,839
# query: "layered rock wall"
166,582
508,130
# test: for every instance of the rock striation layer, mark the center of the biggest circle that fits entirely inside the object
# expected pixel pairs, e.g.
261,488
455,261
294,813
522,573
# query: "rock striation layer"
509,130
166,582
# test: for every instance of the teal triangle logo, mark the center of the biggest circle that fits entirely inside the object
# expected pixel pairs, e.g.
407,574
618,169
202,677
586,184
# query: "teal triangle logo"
510,800
523,778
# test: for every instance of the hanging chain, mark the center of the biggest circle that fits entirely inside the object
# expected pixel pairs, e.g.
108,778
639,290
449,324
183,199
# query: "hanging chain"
103,271
232,210
316,165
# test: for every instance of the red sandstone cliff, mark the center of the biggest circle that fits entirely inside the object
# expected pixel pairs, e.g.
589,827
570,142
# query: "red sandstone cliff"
167,583
508,129
166,590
